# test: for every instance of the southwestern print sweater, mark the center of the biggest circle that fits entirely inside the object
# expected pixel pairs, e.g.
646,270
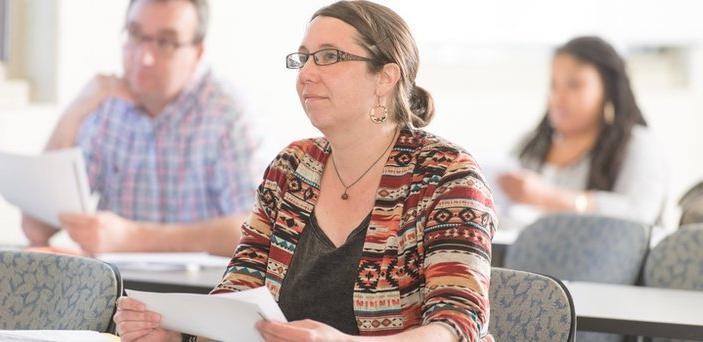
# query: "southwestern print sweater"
426,255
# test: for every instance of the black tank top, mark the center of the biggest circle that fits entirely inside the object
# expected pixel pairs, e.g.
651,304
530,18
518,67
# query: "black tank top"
319,284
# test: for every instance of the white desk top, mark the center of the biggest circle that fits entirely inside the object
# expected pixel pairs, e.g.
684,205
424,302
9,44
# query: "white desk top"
637,310
505,237
637,303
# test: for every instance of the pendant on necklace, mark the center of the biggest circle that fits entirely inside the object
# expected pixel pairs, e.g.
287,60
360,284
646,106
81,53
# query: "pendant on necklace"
345,196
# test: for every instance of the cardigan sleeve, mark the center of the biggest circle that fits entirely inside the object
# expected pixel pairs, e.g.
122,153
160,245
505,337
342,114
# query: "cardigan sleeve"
457,237
247,268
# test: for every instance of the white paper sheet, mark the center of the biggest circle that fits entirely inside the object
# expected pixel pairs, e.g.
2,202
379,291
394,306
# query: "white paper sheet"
224,317
54,336
164,261
493,167
45,185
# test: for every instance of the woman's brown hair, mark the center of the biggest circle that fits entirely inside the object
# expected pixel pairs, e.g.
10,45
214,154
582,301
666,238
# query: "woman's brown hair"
387,38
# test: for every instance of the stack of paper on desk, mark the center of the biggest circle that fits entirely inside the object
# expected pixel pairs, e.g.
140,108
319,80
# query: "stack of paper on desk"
45,185
224,317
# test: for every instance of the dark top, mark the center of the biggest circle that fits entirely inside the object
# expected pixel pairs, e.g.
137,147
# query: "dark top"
320,281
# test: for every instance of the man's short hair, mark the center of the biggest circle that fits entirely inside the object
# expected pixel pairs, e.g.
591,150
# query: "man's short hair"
202,9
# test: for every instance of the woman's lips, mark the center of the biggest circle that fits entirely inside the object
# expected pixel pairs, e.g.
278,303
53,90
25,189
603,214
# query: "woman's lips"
312,98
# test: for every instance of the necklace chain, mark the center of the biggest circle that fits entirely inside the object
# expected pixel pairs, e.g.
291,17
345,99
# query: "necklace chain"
345,195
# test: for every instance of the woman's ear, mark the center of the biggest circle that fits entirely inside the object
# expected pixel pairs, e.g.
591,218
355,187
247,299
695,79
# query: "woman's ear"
199,51
388,77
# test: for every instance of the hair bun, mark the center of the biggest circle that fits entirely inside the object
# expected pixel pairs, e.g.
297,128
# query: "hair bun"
421,106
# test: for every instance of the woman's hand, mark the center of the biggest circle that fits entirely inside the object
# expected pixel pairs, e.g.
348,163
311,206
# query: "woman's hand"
527,187
135,323
303,331
524,187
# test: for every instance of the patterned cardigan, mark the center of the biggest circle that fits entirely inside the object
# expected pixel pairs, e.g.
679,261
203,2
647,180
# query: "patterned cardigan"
426,255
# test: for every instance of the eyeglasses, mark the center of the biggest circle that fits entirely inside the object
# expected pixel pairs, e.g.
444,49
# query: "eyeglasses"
164,46
296,60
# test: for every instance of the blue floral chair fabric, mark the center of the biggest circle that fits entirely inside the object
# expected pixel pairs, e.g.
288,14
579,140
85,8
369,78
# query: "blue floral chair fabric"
56,292
582,248
529,307
691,205
677,262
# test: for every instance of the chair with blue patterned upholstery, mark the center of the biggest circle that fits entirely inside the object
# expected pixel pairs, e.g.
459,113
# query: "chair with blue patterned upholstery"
582,248
56,292
529,307
691,205
677,262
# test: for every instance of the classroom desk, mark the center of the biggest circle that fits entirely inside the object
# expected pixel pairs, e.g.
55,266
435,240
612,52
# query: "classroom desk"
188,281
638,310
621,309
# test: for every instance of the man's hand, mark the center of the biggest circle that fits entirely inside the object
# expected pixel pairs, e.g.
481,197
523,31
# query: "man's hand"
38,233
93,94
98,89
99,233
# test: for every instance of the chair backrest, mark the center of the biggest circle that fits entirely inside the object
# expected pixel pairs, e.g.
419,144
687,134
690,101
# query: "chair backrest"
56,292
677,261
581,248
529,307
691,205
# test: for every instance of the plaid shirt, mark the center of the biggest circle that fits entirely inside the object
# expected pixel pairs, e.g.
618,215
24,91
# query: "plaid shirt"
190,163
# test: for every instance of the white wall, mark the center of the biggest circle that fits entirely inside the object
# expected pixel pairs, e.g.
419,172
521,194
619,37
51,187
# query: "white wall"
486,64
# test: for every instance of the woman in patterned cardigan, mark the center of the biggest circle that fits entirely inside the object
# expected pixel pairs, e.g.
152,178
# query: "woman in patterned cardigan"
347,244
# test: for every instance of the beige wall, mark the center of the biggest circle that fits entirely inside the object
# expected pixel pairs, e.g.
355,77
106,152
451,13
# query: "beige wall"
34,46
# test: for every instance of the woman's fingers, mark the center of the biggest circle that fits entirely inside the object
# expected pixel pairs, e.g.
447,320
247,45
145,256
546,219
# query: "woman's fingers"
136,316
275,331
134,335
127,303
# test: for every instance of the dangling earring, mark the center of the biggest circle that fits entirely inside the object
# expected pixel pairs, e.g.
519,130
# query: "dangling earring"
609,113
378,113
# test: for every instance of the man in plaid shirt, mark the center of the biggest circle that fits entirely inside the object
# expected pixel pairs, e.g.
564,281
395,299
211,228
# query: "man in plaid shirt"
167,147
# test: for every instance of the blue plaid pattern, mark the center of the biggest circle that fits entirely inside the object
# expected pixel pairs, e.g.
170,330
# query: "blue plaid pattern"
190,163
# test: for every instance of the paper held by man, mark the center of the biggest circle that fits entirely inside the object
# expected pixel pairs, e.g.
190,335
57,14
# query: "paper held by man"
47,184
223,317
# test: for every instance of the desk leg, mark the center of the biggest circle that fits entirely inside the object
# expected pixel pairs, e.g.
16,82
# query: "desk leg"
498,254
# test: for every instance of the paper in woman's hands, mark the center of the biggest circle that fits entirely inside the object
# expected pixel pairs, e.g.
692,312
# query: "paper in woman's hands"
224,317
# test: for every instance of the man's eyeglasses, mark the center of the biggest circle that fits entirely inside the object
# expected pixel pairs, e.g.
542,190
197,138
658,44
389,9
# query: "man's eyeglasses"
164,46
296,60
